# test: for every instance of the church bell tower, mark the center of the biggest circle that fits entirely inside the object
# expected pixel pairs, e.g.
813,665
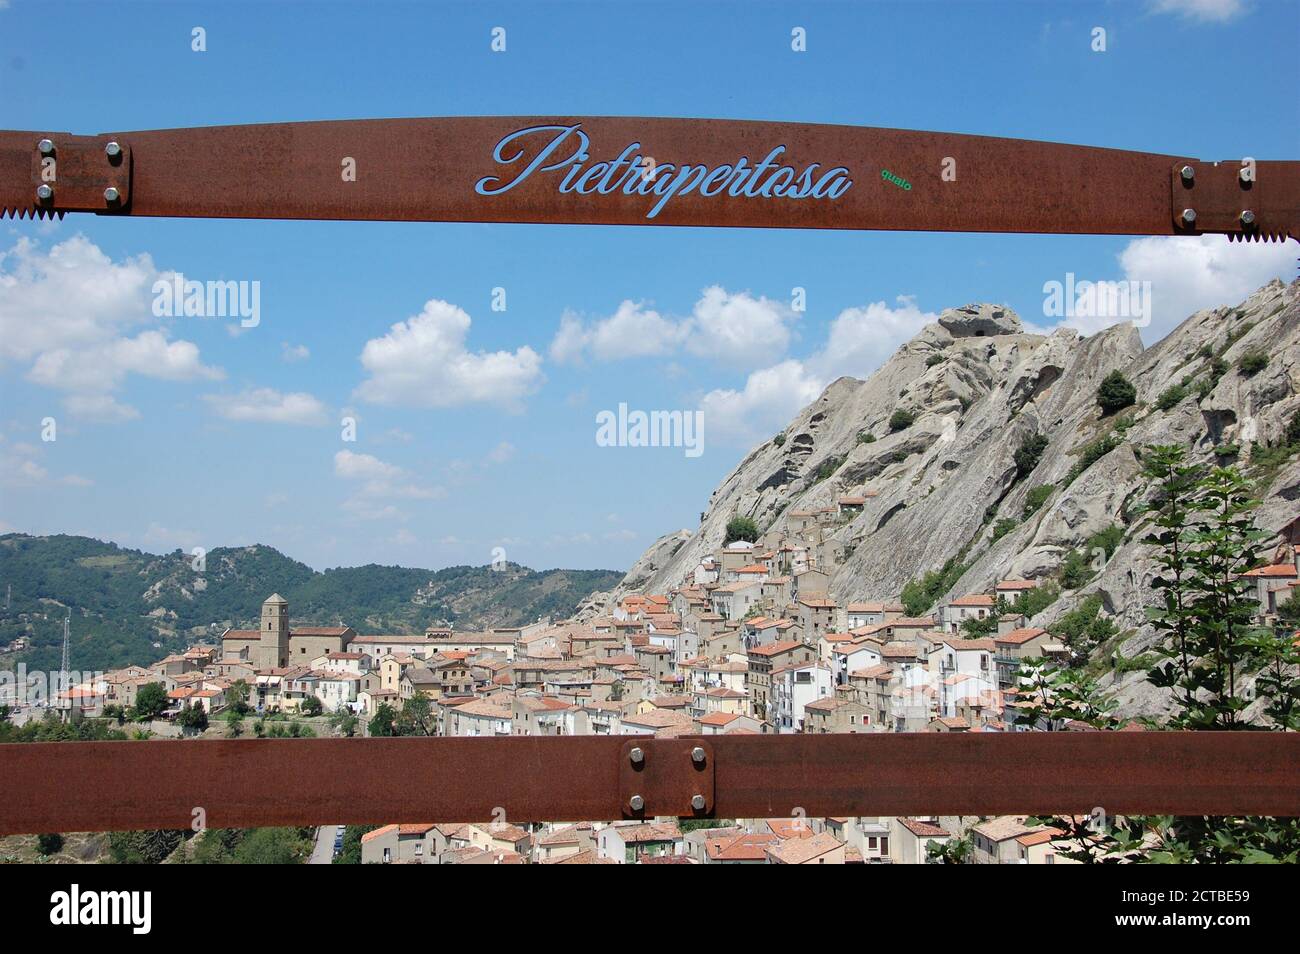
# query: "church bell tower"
274,649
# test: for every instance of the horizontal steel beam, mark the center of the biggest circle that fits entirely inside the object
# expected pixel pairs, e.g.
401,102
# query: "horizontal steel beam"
244,783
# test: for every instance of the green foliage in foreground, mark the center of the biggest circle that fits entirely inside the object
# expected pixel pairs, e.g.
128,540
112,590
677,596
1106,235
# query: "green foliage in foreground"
1203,538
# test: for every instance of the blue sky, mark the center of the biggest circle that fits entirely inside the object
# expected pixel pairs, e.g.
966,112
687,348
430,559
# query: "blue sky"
180,432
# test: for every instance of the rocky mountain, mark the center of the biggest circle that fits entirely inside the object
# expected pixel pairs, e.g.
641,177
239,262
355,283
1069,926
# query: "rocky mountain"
944,491
128,606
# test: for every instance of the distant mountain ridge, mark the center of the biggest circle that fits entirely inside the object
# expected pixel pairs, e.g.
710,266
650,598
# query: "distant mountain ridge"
125,601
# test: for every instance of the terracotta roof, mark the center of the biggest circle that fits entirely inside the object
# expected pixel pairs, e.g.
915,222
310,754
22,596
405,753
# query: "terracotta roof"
1276,570
719,718
923,829
1018,636
797,851
773,649
973,599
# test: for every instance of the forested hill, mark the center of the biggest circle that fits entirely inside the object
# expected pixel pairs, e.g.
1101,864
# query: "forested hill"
128,606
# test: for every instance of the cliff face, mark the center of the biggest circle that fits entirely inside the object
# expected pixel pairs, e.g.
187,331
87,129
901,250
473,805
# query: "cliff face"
978,386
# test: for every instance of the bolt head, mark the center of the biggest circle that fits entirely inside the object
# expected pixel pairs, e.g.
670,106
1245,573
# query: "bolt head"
697,802
1189,216
111,194
44,192
1247,217
1188,173
697,755
45,146
637,755
636,803
112,150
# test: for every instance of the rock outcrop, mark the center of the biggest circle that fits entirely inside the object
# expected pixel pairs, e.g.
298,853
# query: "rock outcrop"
946,486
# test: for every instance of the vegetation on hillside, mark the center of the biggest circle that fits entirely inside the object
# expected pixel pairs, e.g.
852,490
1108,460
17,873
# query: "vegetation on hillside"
128,606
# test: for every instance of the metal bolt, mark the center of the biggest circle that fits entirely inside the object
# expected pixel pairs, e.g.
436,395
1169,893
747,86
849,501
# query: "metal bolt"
1188,173
636,802
45,146
697,802
637,755
1247,217
111,195
44,192
113,150
1189,216
1244,176
697,755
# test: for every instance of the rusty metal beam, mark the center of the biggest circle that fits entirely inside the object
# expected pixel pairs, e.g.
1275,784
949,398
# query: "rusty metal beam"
597,171
101,786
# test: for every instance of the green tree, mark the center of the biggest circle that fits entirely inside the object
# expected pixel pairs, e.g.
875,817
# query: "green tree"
150,700
382,723
142,847
741,528
272,846
344,721
237,697
1203,539
954,851
1171,397
49,844
351,853
234,724
901,420
1253,362
1029,453
311,706
1115,393
194,718
1035,499
417,717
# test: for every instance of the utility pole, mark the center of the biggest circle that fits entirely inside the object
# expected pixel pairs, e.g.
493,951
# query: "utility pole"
64,679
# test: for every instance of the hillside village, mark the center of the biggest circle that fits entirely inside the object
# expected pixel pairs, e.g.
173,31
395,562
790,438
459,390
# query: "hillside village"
838,583
749,642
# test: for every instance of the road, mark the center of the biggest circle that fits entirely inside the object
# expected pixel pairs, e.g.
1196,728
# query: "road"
323,852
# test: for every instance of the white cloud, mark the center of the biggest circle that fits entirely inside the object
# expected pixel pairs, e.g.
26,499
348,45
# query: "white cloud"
423,362
269,405
352,466
1191,272
768,400
20,466
380,479
101,368
291,353
70,312
1203,11
731,328
501,453
859,341
100,408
